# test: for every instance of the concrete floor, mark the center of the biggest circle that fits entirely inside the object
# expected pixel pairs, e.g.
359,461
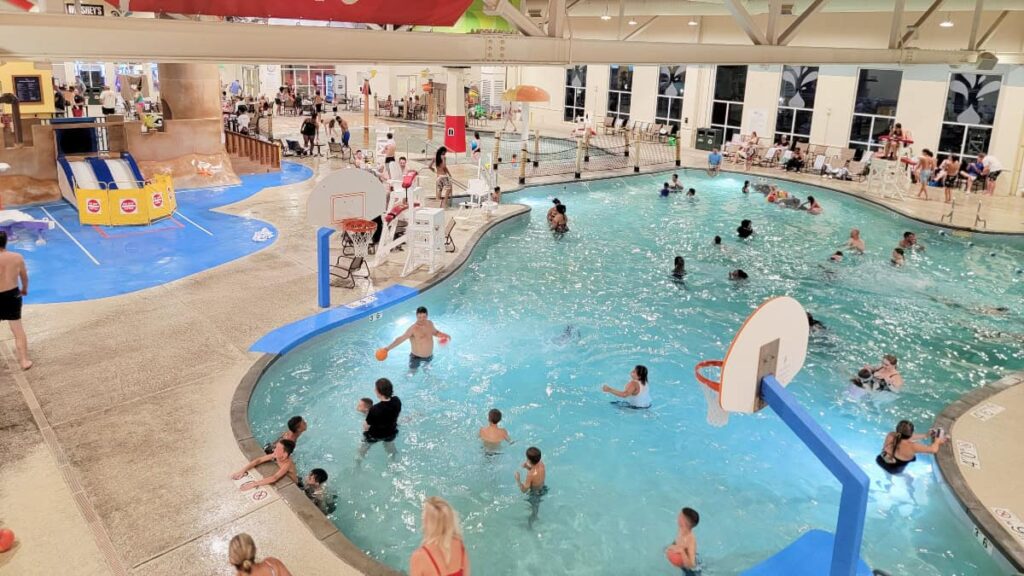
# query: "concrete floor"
116,447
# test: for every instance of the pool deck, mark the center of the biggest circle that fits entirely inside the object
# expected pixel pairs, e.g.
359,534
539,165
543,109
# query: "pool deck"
117,446
982,464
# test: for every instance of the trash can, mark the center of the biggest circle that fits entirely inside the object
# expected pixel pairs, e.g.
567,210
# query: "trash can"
708,138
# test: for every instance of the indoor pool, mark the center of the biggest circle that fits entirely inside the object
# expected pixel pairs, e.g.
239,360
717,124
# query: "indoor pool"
538,324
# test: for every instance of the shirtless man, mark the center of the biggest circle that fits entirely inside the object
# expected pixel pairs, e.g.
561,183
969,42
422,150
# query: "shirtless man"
345,134
909,242
685,545
422,334
389,149
492,434
925,170
12,268
534,484
855,242
282,454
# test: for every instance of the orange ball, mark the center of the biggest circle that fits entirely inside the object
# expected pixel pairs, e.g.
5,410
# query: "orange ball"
381,354
675,557
6,540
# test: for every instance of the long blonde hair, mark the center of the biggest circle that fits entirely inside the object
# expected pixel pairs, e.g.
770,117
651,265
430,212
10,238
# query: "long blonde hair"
242,552
440,525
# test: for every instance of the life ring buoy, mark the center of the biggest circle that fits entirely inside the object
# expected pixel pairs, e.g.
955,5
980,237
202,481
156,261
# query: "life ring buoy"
908,161
771,197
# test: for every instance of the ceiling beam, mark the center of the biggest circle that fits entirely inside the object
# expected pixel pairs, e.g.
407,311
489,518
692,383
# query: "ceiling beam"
62,38
992,29
556,17
791,31
622,18
742,17
897,24
640,28
920,21
568,7
774,10
513,16
979,7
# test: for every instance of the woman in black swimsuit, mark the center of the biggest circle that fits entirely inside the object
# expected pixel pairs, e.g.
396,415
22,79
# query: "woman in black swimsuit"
901,447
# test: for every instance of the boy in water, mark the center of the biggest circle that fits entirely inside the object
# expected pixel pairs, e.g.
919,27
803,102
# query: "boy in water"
282,454
316,489
685,545
675,185
364,405
664,190
534,484
717,243
492,434
296,426
897,257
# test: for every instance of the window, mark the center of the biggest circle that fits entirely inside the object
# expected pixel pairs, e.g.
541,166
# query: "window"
306,80
669,110
970,114
620,97
727,106
796,103
575,93
874,110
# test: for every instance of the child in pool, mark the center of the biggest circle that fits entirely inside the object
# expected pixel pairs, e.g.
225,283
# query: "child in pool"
664,190
492,434
679,269
897,257
682,553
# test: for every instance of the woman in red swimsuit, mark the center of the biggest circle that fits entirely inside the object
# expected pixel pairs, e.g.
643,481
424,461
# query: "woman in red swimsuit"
442,552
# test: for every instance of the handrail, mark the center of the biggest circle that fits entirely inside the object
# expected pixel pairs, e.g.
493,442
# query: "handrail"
256,149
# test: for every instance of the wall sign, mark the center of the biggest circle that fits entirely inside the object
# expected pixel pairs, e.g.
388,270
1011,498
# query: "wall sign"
28,89
987,411
967,454
87,9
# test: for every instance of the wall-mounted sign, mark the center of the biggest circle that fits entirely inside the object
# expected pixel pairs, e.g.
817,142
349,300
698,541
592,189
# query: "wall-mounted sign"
28,89
87,9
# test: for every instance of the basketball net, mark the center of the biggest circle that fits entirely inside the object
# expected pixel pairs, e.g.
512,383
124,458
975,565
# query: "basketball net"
717,416
359,232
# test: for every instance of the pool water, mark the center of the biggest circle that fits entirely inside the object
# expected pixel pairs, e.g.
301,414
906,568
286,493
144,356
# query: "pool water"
538,324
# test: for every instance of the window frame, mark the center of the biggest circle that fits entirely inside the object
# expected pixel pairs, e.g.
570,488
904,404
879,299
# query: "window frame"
577,111
869,146
620,95
968,127
728,129
667,119
790,131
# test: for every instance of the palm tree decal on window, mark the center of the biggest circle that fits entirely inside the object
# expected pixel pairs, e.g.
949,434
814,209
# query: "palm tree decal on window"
972,98
671,79
799,83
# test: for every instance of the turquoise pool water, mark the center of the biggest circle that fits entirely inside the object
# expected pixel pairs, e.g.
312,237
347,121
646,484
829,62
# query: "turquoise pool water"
617,478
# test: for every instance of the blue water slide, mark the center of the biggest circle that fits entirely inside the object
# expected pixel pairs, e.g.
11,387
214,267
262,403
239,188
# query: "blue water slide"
102,172
127,157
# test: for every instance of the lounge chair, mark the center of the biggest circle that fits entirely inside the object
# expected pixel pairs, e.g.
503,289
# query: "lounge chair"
346,269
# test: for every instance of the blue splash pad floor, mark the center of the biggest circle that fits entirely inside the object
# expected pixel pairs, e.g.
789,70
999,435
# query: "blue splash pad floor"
85,262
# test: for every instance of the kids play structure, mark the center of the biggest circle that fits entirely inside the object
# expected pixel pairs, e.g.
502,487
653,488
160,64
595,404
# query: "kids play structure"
765,355
107,190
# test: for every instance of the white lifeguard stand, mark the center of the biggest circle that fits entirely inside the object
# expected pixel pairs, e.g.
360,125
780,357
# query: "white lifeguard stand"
425,235
405,188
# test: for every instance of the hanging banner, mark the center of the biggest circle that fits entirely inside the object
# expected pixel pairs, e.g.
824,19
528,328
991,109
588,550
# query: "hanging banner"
420,13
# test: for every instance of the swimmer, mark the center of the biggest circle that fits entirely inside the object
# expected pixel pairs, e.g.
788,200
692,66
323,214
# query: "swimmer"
909,242
637,392
421,336
885,376
684,548
282,454
496,195
897,258
745,230
553,210
560,223
664,191
717,243
901,447
315,488
837,257
812,206
296,426
692,192
675,184
534,484
814,324
746,187
855,242
679,268
492,434
364,405
738,275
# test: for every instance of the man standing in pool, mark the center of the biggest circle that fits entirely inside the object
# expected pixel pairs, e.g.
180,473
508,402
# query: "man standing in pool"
422,334
534,484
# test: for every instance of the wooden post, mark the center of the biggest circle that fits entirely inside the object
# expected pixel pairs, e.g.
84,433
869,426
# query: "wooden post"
431,111
579,157
366,113
586,146
678,148
536,148
636,155
495,159
625,134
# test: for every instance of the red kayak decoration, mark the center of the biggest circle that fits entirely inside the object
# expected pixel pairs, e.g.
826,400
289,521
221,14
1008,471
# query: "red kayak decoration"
416,12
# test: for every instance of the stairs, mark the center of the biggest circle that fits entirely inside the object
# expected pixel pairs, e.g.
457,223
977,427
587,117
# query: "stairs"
251,155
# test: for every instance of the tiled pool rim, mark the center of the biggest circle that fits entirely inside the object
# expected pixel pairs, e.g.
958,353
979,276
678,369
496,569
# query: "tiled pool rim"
329,535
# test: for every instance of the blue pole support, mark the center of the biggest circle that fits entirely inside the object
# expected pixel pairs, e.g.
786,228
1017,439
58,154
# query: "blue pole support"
323,261
854,501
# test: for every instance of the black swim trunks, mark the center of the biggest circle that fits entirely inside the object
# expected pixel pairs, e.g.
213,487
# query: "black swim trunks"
10,304
416,361
371,439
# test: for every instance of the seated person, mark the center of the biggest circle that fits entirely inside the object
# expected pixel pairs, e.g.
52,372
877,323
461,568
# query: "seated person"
675,185
745,229
795,162
714,162
901,447
892,146
282,454
972,172
841,173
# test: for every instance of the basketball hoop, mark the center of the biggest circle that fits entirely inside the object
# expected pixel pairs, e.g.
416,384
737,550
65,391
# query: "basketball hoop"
359,232
717,416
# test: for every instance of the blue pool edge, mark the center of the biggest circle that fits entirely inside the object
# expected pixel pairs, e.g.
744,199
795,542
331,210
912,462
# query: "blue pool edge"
275,344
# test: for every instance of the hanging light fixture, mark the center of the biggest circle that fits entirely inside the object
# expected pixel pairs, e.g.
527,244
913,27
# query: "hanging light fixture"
632,22
947,23
606,16
693,22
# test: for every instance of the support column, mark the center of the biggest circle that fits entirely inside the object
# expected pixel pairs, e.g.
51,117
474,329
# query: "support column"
189,91
455,110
